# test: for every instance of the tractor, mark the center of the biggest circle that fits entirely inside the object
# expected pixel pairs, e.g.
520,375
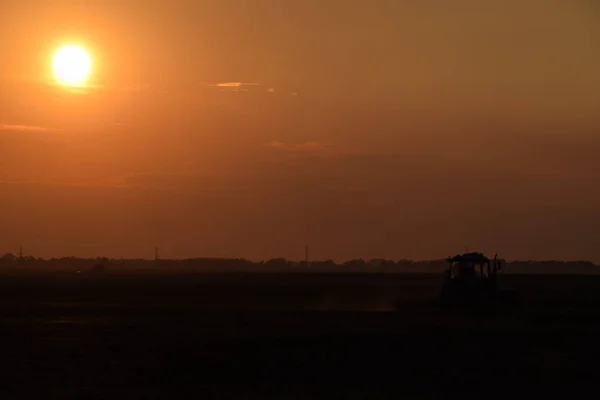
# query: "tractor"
471,282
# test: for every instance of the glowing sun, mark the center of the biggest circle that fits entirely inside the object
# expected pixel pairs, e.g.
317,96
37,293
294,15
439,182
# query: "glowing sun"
72,65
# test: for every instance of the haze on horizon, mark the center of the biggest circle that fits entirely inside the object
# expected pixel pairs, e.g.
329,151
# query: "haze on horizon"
238,128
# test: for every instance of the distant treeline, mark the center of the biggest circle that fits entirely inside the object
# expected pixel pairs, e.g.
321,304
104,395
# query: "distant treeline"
278,265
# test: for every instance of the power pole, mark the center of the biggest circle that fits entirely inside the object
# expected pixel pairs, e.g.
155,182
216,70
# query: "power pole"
156,253
306,256
20,255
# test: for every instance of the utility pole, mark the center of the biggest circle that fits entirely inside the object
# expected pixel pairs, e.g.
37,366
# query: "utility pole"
306,256
21,255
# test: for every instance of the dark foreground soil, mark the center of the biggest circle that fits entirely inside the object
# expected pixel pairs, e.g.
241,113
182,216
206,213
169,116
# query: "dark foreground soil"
290,337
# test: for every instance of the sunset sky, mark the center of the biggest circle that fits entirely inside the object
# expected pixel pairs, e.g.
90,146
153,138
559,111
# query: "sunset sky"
248,128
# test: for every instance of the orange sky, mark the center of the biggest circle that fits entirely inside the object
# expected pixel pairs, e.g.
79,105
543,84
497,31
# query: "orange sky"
249,128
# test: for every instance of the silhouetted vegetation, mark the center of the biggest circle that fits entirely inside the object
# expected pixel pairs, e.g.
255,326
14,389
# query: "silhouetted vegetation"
102,264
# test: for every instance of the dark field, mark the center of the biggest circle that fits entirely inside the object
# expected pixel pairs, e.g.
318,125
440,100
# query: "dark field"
289,336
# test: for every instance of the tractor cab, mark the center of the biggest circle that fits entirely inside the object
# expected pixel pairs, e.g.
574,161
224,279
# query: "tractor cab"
471,278
472,266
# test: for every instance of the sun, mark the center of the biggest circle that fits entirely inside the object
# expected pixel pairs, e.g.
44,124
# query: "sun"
72,65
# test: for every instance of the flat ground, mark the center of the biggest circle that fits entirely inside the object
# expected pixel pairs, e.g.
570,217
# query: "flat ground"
292,336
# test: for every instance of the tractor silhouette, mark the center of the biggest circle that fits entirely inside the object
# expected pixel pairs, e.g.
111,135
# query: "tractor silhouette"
471,282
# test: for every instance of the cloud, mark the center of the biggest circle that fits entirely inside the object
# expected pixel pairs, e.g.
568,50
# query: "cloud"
305,146
26,128
238,86
235,84
58,183
245,87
